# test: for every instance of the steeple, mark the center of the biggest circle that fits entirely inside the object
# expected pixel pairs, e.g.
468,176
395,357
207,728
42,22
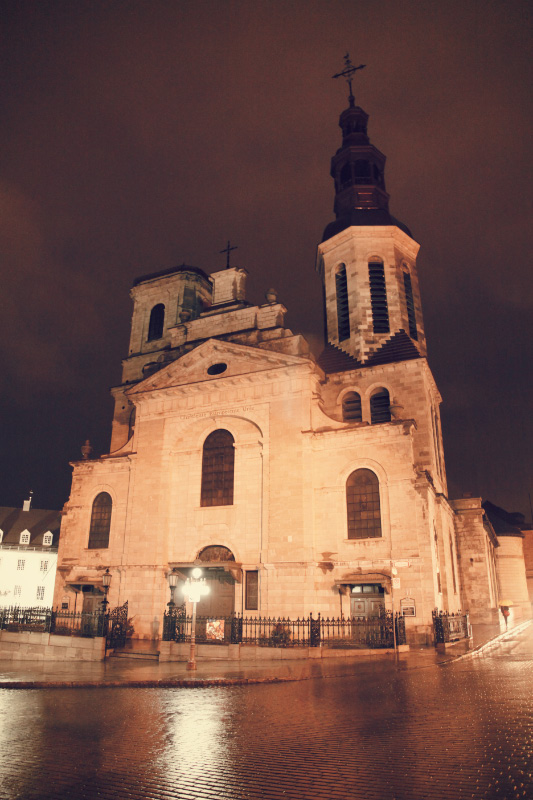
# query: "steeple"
358,170
367,258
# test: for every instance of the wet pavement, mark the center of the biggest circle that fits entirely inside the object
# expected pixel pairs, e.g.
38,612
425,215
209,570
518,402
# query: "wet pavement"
388,731
144,673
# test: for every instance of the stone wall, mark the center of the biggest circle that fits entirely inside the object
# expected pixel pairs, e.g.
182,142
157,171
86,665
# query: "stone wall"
476,554
49,647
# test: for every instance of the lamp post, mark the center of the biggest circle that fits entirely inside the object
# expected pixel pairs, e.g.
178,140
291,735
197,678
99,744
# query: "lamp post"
106,580
194,589
172,583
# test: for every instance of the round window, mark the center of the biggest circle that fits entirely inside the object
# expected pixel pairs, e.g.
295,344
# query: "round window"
217,369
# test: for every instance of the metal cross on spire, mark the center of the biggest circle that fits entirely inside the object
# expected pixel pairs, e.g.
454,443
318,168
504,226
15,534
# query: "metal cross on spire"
228,250
347,73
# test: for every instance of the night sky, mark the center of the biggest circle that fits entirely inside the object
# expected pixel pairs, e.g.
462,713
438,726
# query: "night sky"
136,136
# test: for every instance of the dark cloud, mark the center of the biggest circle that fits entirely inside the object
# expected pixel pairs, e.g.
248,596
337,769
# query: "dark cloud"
140,135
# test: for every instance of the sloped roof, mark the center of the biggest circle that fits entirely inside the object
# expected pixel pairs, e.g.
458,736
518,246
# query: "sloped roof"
399,347
505,523
363,216
170,271
38,521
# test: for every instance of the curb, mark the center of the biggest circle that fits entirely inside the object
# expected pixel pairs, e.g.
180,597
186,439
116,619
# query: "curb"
146,684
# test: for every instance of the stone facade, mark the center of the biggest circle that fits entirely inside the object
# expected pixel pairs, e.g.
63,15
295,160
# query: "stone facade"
316,509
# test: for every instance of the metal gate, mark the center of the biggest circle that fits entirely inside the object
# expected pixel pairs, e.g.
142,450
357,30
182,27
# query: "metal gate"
117,627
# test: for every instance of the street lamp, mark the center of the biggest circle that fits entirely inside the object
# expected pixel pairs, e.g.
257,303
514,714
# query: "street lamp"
172,583
194,589
106,580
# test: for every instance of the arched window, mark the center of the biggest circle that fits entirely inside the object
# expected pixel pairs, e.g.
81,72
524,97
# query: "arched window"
218,464
215,552
346,175
362,503
351,407
410,303
380,407
157,319
378,297
362,171
100,521
343,309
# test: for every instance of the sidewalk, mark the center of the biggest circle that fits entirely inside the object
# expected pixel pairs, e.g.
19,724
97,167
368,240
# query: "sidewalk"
121,672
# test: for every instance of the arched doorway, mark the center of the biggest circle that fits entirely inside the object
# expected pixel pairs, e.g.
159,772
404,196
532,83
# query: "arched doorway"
217,561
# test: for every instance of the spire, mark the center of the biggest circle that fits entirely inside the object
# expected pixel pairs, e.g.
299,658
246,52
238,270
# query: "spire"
358,170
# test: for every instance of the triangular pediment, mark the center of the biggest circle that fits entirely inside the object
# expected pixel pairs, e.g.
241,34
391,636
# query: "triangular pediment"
215,360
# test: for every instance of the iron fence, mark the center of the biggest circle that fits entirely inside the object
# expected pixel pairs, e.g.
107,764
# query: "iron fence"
58,622
374,632
450,627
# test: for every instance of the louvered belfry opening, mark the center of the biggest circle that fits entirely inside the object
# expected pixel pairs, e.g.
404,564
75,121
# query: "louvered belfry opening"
363,507
218,467
380,407
157,320
410,303
100,521
343,309
351,407
378,297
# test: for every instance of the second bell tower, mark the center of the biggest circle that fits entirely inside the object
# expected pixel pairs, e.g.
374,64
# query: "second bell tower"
367,258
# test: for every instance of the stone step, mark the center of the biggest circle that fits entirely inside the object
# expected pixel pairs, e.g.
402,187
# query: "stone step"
141,655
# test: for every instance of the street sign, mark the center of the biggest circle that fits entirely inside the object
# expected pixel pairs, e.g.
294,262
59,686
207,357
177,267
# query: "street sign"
401,563
395,583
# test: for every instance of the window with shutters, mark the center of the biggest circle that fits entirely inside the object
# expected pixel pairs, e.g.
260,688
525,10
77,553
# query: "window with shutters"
343,309
378,297
410,303
157,320
100,521
380,407
363,506
351,407
218,463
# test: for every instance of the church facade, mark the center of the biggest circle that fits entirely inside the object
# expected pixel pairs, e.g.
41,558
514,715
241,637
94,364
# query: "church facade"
299,484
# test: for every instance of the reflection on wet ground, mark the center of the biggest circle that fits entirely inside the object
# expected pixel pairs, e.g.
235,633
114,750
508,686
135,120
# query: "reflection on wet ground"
464,730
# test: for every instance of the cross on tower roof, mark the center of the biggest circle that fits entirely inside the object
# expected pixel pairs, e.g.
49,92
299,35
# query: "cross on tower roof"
228,250
348,72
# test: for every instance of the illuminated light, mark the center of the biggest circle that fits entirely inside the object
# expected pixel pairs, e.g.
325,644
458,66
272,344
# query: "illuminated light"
196,573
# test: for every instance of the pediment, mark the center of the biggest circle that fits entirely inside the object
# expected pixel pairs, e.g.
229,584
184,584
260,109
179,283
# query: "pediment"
215,360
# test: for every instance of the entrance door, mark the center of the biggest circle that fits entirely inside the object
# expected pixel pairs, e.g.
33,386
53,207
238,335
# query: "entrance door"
220,602
92,599
367,600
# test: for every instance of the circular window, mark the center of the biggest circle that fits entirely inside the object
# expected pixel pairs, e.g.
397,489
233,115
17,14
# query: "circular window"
217,369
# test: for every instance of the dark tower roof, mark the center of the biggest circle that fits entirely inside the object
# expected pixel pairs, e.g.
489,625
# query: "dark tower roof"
358,169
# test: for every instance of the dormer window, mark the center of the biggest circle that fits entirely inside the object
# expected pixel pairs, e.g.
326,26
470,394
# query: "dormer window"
47,539
25,537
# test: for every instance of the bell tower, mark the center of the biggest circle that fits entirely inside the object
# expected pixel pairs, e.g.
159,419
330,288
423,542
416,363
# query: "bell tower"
367,258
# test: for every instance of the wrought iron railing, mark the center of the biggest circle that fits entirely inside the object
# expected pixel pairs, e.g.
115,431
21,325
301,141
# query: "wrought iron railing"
58,622
374,632
450,627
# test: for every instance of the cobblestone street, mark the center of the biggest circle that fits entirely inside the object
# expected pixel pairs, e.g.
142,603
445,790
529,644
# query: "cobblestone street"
453,731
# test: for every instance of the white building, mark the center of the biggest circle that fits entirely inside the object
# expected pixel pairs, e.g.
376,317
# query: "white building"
28,555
